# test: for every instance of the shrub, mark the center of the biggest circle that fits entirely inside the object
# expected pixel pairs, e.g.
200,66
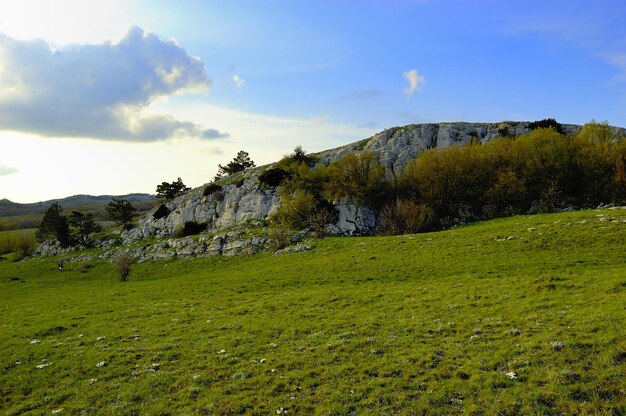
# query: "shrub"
190,228
360,176
22,245
546,123
218,196
299,156
25,246
280,236
123,262
161,212
295,210
273,177
211,188
549,197
405,217
321,217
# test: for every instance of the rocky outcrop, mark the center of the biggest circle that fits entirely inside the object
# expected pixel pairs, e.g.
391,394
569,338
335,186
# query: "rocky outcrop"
221,210
395,147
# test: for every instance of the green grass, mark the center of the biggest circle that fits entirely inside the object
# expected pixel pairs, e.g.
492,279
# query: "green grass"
421,324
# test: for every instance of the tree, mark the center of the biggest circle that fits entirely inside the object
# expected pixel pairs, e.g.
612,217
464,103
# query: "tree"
240,163
54,226
84,225
121,211
170,191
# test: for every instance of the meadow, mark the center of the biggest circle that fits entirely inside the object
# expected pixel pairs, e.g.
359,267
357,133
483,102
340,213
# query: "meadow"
523,315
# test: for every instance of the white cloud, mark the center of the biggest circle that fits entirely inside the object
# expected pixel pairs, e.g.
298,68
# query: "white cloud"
618,60
415,82
97,91
237,80
7,170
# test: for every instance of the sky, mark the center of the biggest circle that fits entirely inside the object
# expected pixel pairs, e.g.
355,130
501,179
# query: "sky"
117,96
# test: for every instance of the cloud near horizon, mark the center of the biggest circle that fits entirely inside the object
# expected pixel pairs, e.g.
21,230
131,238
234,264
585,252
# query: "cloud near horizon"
7,170
98,91
415,82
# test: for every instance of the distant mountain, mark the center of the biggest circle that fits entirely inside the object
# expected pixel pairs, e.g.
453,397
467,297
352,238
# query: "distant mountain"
75,202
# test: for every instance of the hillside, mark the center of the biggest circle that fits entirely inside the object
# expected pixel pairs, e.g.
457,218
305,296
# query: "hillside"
18,216
9,209
523,315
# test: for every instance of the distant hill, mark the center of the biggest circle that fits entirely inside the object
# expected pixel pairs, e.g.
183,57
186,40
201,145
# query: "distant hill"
14,215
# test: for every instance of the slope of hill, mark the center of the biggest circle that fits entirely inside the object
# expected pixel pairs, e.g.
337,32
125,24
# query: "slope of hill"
19,216
9,209
523,315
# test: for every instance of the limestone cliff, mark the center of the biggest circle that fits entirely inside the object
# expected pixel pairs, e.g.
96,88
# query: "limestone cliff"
395,147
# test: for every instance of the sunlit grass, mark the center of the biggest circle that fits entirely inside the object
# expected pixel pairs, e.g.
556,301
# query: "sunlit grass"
515,316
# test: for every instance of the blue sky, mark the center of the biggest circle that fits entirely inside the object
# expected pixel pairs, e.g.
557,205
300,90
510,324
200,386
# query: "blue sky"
162,89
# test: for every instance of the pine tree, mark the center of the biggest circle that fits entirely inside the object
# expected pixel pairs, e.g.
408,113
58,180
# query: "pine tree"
240,163
84,226
121,211
170,191
54,226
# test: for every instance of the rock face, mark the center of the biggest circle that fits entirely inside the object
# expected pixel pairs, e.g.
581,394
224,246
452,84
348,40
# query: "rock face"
395,147
221,210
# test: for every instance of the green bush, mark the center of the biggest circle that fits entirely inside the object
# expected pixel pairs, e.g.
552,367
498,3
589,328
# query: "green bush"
546,123
280,236
273,177
295,210
191,228
211,188
161,212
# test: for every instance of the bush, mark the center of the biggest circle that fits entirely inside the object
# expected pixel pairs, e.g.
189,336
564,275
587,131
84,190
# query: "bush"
211,188
280,236
273,177
546,123
298,156
161,212
25,246
405,217
123,262
321,217
360,176
295,210
218,196
190,228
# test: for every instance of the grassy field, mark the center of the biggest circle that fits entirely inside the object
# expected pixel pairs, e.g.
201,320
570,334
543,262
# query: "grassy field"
524,315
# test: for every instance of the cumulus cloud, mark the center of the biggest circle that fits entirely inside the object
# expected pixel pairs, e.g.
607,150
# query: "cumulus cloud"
97,91
7,170
415,82
237,80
